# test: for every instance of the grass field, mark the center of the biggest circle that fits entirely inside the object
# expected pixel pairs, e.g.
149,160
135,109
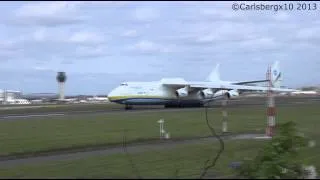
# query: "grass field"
52,133
14,109
150,164
187,159
92,130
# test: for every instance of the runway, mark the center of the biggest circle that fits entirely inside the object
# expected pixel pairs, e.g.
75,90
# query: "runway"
244,102
77,113
135,148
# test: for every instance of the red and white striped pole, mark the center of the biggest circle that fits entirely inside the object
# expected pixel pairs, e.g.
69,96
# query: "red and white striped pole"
271,110
224,115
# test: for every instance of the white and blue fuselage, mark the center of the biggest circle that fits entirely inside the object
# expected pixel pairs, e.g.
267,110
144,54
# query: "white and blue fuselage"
177,91
154,93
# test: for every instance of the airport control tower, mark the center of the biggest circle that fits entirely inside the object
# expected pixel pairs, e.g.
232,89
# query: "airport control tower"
61,78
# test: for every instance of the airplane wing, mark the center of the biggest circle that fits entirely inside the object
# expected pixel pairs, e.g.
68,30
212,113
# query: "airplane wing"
249,82
205,85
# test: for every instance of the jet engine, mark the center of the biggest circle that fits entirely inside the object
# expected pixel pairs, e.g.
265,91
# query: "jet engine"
206,94
232,94
229,94
182,92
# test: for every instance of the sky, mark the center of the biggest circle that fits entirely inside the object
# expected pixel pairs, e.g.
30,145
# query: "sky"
101,44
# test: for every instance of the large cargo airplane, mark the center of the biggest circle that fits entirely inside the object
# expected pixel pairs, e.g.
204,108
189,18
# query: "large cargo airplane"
177,92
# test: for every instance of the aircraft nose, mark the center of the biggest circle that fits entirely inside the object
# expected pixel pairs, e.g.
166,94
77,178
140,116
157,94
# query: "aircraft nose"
111,96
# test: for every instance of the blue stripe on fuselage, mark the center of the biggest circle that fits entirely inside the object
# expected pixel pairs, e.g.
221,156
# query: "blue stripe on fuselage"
152,101
159,101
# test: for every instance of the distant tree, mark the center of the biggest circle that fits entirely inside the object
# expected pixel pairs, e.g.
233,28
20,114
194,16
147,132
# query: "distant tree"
278,159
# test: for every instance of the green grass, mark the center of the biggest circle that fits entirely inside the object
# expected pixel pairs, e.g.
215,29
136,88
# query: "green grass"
56,108
188,159
22,136
36,135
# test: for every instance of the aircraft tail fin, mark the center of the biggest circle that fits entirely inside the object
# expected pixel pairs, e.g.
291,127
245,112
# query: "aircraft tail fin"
276,75
214,75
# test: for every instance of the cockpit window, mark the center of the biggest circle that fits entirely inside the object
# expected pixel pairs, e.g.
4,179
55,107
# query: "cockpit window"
124,84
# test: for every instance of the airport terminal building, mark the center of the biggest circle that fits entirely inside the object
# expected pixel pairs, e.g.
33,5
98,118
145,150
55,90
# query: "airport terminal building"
11,97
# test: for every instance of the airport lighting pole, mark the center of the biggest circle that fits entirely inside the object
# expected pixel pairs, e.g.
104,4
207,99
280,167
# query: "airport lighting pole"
61,78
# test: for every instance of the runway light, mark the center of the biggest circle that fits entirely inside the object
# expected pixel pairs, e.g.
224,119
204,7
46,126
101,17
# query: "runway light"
161,121
163,133
167,136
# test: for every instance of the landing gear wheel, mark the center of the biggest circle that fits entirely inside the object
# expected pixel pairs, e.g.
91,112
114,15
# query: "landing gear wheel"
167,106
172,106
128,107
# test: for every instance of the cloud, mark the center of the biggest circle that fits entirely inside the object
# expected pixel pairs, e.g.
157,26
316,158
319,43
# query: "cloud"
308,33
80,37
86,38
55,13
48,13
260,44
47,43
221,14
41,68
8,50
145,14
39,35
149,47
90,52
206,34
108,3
47,8
6,55
106,39
67,62
282,16
130,33
145,46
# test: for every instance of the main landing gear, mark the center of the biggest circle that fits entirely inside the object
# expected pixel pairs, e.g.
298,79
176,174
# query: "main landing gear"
183,105
128,107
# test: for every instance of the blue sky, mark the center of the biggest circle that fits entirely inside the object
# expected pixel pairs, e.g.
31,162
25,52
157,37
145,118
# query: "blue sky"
101,44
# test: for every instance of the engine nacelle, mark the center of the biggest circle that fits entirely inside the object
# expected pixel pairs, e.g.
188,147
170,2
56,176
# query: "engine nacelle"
232,94
182,92
206,94
224,93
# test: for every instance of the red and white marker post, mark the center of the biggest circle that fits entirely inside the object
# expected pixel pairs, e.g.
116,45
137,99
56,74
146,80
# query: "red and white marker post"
224,115
271,110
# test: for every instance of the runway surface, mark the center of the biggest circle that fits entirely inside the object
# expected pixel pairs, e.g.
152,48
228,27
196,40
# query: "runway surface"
76,113
250,101
137,148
